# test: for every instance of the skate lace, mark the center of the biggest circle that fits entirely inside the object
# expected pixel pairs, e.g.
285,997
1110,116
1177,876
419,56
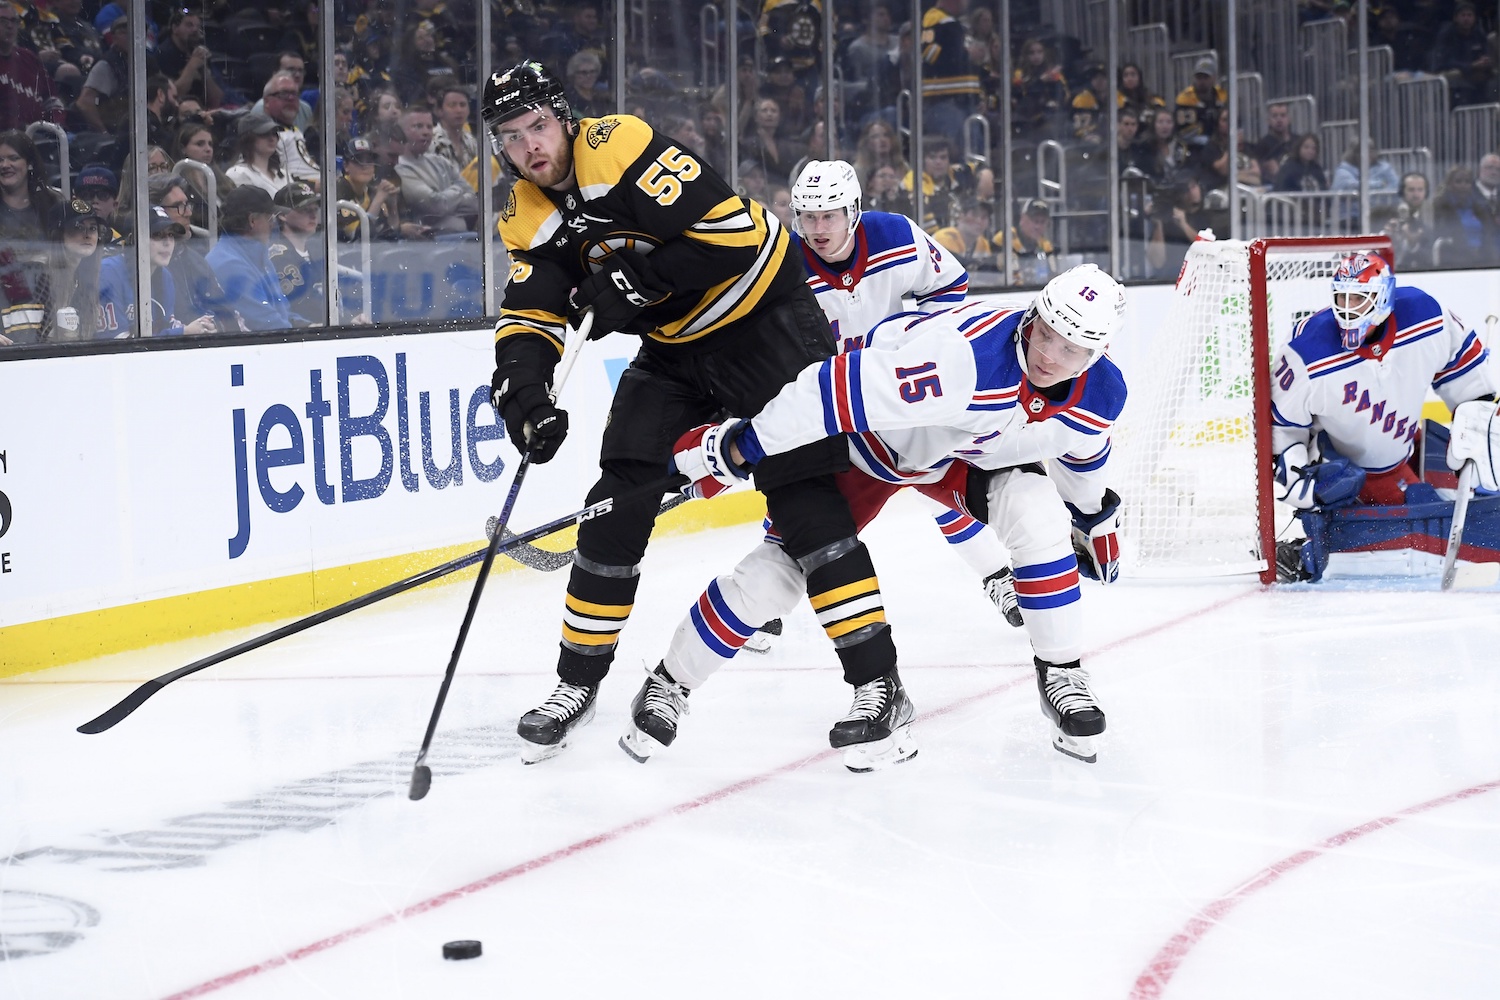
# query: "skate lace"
870,700
665,699
1068,689
565,701
1002,591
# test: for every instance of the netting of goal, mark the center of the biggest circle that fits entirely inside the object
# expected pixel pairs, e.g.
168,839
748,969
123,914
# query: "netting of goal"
1193,441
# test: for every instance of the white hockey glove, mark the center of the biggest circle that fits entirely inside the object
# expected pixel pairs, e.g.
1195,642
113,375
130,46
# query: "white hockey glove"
702,454
1307,484
1096,539
1475,434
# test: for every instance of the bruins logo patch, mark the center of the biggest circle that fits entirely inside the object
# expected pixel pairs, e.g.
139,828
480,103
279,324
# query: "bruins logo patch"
598,133
509,211
597,252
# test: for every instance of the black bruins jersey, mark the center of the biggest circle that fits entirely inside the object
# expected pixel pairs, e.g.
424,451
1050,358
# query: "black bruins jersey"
720,255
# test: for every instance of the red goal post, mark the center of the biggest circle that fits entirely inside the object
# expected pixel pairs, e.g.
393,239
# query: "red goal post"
1194,441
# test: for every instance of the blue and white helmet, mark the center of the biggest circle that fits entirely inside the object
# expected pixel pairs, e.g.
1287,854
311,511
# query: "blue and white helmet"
1364,288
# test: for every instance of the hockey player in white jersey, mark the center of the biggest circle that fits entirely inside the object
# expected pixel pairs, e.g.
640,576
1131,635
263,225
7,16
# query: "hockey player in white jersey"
862,266
1347,394
964,405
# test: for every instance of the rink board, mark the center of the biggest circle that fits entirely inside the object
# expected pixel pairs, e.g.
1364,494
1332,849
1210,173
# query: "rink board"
149,496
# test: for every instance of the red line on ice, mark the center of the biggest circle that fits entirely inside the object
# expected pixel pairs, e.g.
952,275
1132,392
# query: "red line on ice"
598,840
1153,981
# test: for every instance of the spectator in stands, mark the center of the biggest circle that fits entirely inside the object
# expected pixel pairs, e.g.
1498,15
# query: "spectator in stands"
883,191
684,131
242,260
117,300
583,32
196,142
98,185
1030,244
432,188
282,100
304,37
1089,107
343,122
381,199
966,238
1039,93
1460,55
293,65
74,38
1127,129
257,160
1158,154
1133,89
1275,146
1383,185
161,109
1210,161
747,81
71,290
104,102
872,72
715,140
198,290
25,198
1178,216
950,83
1463,227
587,91
878,146
1487,183
420,61
1205,96
945,185
1302,171
298,258
1410,44
1411,237
158,161
386,108
184,59
454,138
753,183
768,144
780,204
782,87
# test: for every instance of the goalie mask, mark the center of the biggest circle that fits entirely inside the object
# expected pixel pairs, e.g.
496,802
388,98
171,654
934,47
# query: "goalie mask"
826,186
1083,305
527,86
1363,289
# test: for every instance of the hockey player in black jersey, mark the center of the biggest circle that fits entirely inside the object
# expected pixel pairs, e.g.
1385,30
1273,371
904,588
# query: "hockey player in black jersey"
610,216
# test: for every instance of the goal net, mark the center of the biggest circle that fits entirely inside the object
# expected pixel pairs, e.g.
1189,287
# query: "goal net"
1194,439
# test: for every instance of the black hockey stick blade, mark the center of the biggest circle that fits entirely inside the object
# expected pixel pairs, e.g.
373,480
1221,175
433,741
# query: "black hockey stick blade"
529,555
421,782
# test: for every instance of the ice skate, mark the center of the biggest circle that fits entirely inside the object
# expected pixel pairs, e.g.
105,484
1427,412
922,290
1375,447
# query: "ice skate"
1069,703
877,731
1001,588
654,712
760,642
544,730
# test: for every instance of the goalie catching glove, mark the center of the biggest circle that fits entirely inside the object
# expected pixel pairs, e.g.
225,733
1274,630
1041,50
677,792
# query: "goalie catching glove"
532,421
617,292
1475,434
1096,539
702,454
1310,484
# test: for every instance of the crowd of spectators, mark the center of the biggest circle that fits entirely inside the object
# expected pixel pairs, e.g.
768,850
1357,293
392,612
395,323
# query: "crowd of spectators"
234,109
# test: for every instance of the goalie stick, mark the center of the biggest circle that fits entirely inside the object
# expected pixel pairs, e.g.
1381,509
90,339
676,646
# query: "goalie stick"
1460,515
421,774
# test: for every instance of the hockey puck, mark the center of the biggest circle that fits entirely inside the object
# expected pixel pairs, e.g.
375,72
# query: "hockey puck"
462,949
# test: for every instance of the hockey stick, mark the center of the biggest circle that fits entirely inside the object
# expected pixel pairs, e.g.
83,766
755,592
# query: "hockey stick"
528,555
1460,515
421,774
118,712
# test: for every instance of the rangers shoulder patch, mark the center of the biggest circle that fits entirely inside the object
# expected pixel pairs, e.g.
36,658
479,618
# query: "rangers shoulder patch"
598,133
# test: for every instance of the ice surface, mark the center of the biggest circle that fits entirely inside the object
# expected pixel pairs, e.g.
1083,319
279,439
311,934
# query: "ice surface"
1276,810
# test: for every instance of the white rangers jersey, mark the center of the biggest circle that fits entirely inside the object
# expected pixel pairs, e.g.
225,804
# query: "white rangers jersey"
892,259
934,388
1369,401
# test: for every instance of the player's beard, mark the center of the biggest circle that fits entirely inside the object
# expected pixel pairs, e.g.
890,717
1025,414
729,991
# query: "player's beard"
555,172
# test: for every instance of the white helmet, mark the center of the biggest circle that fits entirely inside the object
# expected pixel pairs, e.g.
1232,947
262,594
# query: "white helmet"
1084,306
823,186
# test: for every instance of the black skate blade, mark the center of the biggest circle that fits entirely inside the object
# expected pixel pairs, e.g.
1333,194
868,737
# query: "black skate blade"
421,782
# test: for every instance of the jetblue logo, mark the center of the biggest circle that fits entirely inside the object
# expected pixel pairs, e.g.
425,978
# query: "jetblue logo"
310,437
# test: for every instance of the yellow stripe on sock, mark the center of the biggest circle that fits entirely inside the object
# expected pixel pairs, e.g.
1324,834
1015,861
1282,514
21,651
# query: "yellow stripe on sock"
855,624
866,586
621,611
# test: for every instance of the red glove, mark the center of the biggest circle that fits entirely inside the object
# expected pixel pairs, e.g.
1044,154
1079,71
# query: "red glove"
702,454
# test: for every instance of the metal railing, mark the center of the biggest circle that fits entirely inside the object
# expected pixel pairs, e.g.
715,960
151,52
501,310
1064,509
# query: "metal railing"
366,258
210,193
1476,132
1419,111
1324,47
66,182
710,51
981,157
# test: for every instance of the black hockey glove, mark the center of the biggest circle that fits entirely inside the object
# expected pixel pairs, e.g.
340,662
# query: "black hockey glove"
618,292
532,420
